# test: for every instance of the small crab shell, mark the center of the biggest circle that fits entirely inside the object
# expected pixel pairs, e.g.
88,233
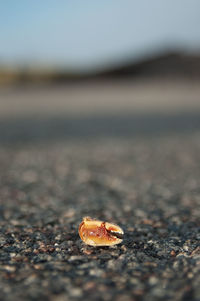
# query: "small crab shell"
98,233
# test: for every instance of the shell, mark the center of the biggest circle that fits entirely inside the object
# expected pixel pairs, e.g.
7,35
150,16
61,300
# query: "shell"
98,233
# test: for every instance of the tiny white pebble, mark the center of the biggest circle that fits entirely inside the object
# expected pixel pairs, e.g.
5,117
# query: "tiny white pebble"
153,280
76,292
10,268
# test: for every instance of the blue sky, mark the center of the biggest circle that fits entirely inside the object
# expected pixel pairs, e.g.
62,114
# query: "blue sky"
89,33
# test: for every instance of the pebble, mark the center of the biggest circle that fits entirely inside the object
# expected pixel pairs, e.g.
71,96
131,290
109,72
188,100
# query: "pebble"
75,292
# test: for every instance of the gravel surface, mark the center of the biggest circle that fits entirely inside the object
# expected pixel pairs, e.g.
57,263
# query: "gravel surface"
150,186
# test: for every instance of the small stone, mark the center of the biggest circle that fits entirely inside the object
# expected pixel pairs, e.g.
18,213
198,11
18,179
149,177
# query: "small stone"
2,240
195,252
89,286
96,272
173,253
75,258
37,266
190,275
87,251
58,237
124,248
186,248
10,268
75,292
153,280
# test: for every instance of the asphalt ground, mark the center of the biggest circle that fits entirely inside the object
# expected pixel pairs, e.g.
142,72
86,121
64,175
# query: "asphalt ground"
141,172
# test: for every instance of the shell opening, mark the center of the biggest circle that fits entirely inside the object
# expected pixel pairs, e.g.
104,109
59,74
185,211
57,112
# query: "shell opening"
116,234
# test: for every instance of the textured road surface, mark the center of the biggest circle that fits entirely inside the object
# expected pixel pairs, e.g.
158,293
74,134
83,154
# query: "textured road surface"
139,171
148,185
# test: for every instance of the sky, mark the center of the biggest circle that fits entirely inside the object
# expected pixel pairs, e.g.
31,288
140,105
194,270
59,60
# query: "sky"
92,33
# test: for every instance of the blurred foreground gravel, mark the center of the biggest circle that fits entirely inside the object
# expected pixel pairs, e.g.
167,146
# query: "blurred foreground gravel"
149,185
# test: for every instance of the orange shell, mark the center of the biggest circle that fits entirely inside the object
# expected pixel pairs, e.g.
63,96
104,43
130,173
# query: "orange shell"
98,233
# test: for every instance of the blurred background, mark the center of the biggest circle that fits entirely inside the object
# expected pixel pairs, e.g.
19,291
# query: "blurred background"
70,68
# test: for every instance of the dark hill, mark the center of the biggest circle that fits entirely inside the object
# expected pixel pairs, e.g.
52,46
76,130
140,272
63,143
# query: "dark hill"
172,64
